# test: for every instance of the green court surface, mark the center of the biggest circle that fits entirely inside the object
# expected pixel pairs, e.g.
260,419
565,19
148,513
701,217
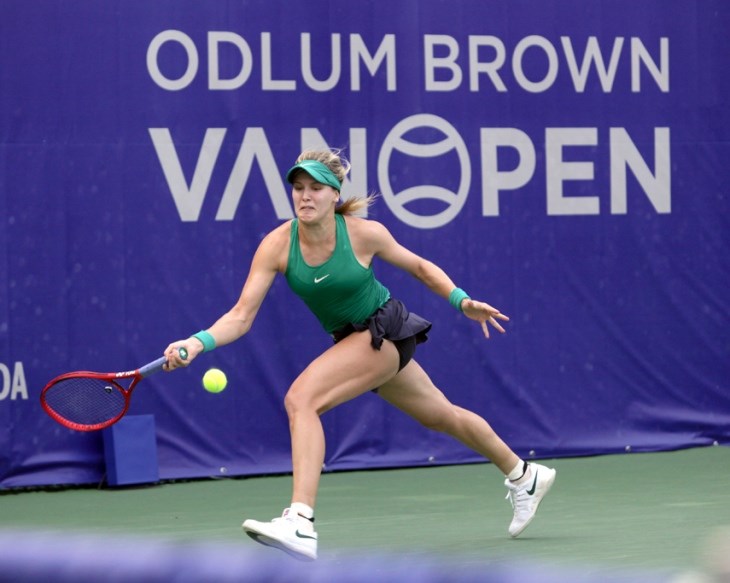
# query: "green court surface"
633,511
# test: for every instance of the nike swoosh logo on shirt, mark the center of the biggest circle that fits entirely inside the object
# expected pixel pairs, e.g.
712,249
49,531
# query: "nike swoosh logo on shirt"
318,279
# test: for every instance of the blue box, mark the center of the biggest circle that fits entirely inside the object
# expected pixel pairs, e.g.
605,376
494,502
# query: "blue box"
130,449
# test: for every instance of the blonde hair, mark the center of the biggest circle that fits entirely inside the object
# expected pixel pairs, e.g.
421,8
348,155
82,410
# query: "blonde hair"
339,166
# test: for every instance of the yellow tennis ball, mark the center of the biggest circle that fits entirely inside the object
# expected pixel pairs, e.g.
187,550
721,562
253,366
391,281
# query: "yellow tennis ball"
214,381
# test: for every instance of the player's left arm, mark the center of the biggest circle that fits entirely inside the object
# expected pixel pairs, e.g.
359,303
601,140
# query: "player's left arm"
384,245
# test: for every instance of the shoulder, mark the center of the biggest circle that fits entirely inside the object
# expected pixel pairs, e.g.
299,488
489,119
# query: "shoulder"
365,228
279,234
368,237
274,247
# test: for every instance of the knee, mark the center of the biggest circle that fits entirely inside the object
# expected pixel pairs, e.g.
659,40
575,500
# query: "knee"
298,400
445,420
293,401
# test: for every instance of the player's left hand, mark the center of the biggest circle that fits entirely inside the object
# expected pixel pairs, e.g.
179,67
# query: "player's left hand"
484,314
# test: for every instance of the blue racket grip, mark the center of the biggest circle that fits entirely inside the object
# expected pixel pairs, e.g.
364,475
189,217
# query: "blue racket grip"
156,365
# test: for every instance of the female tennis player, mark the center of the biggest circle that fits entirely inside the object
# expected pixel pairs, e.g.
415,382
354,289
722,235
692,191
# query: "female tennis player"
326,256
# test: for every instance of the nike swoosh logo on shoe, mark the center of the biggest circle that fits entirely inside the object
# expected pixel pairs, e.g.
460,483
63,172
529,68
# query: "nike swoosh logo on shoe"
300,535
531,491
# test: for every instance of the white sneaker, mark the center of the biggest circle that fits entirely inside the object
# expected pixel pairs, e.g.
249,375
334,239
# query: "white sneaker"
291,533
526,497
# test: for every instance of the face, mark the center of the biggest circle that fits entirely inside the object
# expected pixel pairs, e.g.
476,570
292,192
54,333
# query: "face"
312,200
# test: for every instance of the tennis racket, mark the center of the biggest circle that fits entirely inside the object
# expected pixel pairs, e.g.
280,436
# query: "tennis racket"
89,401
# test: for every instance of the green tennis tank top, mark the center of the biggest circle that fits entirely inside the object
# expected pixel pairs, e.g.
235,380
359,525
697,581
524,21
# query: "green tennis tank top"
339,291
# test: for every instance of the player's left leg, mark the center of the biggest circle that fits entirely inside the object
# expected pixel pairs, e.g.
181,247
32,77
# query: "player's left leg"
413,392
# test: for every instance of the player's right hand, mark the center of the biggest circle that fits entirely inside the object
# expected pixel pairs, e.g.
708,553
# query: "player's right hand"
172,353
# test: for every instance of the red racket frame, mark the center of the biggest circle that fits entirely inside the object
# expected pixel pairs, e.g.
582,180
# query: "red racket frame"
111,378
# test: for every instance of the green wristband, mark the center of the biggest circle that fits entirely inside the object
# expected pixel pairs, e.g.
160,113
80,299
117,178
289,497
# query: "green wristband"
206,339
457,296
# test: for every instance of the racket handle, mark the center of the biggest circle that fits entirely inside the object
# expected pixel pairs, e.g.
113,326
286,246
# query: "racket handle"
156,365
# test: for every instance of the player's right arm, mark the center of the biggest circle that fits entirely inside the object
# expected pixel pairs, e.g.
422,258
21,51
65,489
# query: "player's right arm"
270,258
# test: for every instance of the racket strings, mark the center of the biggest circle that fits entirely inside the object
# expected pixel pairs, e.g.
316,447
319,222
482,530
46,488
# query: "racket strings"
86,401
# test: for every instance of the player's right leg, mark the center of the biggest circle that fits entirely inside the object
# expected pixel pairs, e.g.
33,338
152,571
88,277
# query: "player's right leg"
348,369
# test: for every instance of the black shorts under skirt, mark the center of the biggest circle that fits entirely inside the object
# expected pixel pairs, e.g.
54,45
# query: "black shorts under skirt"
395,323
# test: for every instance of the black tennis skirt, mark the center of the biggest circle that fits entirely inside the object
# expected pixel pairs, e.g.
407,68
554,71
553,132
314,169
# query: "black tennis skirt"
392,322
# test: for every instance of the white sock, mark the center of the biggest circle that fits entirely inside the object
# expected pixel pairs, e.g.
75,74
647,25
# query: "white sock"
519,471
303,510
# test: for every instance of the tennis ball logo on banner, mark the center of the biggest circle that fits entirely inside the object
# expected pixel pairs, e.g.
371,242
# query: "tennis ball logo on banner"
438,163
